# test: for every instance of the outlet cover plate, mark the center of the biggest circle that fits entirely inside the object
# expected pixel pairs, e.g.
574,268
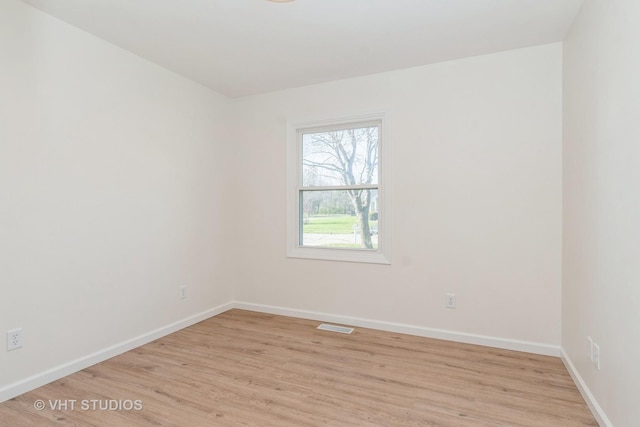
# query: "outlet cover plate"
450,301
596,355
14,339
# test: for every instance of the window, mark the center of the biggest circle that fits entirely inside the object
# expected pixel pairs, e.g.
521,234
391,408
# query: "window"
337,190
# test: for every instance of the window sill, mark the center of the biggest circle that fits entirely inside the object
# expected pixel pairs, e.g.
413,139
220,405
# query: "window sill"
343,255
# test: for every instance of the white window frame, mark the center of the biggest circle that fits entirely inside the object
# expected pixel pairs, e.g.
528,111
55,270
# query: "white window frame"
380,255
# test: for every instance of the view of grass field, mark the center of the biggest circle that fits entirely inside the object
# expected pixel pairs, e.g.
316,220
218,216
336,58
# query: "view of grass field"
332,224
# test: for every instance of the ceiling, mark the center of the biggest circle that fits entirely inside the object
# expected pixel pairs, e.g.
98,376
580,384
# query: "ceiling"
246,47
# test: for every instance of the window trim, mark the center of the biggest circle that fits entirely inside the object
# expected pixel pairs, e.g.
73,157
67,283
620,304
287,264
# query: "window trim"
381,255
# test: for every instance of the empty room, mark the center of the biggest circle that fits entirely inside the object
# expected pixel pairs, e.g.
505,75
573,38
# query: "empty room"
320,213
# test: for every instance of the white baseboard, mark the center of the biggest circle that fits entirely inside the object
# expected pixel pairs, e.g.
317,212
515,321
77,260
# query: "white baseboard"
12,390
529,347
593,404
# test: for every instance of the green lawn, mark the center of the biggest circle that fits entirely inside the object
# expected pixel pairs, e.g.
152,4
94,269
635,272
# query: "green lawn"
332,224
346,245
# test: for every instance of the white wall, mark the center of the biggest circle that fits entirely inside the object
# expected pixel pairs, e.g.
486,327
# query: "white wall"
476,198
112,194
601,272
120,181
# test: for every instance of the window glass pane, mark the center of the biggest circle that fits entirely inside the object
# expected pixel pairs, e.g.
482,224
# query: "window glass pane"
339,219
340,157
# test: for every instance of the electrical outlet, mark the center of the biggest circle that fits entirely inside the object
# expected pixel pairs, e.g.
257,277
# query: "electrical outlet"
596,355
183,292
14,339
590,348
450,301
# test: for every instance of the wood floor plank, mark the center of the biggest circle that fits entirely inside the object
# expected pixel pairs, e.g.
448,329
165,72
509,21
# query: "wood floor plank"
243,368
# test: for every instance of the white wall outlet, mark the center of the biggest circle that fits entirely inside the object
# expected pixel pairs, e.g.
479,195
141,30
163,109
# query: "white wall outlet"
590,348
596,355
450,301
14,339
183,292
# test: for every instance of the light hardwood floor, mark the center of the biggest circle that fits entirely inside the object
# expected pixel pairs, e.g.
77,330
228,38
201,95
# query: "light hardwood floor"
249,369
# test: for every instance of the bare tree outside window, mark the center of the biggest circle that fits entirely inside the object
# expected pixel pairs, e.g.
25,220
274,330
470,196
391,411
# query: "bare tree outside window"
339,189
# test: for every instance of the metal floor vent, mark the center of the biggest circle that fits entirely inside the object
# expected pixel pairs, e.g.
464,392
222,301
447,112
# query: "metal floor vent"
335,328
